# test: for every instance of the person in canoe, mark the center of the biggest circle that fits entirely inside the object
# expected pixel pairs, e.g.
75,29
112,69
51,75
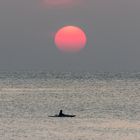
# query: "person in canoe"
62,115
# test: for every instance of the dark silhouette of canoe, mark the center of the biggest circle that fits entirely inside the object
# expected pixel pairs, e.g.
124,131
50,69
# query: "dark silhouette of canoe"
62,115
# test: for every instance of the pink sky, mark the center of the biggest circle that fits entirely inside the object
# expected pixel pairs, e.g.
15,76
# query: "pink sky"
60,2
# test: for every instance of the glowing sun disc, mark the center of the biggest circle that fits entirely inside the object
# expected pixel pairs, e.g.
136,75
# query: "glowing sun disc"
70,39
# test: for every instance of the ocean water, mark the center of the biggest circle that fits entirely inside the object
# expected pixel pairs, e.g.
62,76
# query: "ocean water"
106,105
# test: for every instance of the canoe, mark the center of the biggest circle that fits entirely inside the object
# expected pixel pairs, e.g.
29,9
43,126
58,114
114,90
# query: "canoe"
64,115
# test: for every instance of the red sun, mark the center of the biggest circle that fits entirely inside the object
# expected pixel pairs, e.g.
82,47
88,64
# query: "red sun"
70,39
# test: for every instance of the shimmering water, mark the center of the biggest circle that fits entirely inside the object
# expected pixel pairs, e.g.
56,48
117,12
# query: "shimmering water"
106,105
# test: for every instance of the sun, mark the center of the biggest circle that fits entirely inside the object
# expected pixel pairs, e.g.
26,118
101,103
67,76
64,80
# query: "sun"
70,39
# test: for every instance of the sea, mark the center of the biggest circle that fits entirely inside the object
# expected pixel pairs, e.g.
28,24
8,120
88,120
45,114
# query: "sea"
106,105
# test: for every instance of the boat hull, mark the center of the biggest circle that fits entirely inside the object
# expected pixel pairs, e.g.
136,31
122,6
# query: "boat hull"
64,115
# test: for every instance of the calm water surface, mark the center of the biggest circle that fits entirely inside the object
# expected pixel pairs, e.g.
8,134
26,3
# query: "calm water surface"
106,105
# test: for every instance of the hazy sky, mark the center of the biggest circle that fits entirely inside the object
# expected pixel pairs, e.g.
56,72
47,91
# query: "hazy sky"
27,29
